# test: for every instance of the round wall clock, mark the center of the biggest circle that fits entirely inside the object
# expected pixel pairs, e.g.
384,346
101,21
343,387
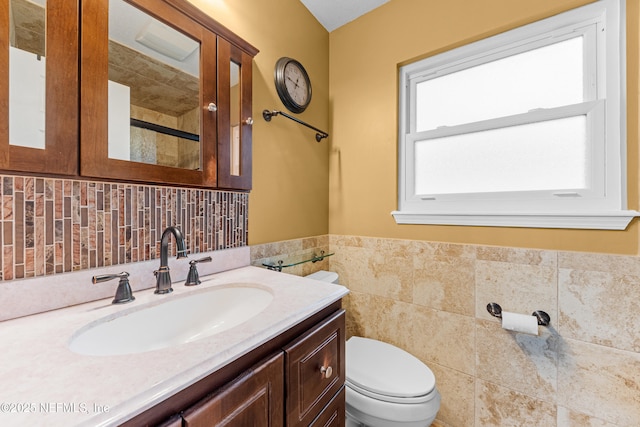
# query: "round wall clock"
292,84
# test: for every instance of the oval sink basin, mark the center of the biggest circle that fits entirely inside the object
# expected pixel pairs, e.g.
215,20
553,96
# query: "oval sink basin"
176,321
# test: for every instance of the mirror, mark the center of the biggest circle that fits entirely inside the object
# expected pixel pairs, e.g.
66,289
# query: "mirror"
235,118
27,73
154,91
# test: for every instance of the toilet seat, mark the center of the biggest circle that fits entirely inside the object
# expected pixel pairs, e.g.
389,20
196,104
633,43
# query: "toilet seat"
387,373
391,399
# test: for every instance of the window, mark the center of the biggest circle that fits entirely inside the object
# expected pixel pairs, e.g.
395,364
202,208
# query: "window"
526,128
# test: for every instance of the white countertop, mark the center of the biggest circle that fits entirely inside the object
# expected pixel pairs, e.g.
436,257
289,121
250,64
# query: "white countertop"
43,383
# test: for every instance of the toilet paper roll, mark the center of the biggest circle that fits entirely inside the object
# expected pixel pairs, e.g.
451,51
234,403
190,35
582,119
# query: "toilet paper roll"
520,323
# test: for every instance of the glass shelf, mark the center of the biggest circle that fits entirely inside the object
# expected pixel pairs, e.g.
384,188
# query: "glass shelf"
295,260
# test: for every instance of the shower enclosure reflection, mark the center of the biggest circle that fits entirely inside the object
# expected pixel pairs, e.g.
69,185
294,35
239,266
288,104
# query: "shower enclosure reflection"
154,90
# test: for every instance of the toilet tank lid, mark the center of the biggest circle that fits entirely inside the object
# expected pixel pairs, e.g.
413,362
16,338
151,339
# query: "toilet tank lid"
387,370
325,276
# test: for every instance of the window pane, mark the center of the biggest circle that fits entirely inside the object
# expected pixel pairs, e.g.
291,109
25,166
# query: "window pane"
549,155
547,77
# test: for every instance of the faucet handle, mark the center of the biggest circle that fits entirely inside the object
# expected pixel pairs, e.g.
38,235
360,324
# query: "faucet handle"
123,293
193,278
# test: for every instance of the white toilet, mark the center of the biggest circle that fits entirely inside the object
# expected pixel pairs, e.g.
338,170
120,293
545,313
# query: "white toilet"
385,385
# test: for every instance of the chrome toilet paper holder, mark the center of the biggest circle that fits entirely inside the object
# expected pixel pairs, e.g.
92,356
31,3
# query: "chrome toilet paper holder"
496,311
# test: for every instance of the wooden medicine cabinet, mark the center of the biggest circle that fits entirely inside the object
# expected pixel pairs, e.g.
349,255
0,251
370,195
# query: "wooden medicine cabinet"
162,95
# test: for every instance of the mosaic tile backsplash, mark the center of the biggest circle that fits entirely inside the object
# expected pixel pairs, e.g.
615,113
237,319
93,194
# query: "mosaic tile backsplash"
52,226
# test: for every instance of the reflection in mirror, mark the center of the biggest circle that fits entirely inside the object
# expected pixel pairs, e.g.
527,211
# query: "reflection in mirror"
154,87
27,73
235,119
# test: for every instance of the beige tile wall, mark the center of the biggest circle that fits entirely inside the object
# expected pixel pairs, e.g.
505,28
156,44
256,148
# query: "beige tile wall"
430,299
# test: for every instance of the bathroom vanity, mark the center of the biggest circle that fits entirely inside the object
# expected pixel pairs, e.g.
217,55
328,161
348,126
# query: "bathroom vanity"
299,383
283,366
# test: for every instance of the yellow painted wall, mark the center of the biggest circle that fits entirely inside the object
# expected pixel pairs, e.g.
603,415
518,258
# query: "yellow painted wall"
290,169
347,184
365,56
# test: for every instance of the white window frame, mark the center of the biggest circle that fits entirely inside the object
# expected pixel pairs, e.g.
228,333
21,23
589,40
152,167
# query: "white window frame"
603,205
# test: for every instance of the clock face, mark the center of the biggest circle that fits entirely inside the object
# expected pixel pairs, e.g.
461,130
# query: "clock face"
296,83
292,84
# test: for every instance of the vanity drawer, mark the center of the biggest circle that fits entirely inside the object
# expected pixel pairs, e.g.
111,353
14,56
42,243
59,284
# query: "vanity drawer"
334,414
315,370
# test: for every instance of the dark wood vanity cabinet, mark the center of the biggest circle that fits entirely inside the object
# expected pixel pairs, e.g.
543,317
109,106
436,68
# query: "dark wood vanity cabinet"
295,379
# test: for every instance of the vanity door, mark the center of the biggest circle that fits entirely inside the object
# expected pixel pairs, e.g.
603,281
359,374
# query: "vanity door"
252,399
39,86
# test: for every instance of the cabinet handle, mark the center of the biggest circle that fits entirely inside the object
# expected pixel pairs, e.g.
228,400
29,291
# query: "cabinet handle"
212,107
248,121
326,371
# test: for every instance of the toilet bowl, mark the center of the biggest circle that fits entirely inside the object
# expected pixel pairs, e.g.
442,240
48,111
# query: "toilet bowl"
386,386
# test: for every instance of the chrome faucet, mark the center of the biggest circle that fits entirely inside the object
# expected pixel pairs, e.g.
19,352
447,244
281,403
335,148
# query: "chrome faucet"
163,278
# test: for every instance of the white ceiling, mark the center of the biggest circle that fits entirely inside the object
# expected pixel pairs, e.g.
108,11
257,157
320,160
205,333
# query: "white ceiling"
335,13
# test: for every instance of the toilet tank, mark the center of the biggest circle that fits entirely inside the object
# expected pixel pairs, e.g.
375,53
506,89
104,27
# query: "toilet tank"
324,276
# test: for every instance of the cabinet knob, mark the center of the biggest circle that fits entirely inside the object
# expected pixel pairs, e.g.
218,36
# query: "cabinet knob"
212,107
326,371
248,121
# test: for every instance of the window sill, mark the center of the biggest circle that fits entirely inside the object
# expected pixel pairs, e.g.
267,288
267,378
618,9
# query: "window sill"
618,220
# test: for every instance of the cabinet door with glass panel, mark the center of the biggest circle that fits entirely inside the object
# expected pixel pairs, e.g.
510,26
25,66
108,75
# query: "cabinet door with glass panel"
149,102
234,117
39,86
